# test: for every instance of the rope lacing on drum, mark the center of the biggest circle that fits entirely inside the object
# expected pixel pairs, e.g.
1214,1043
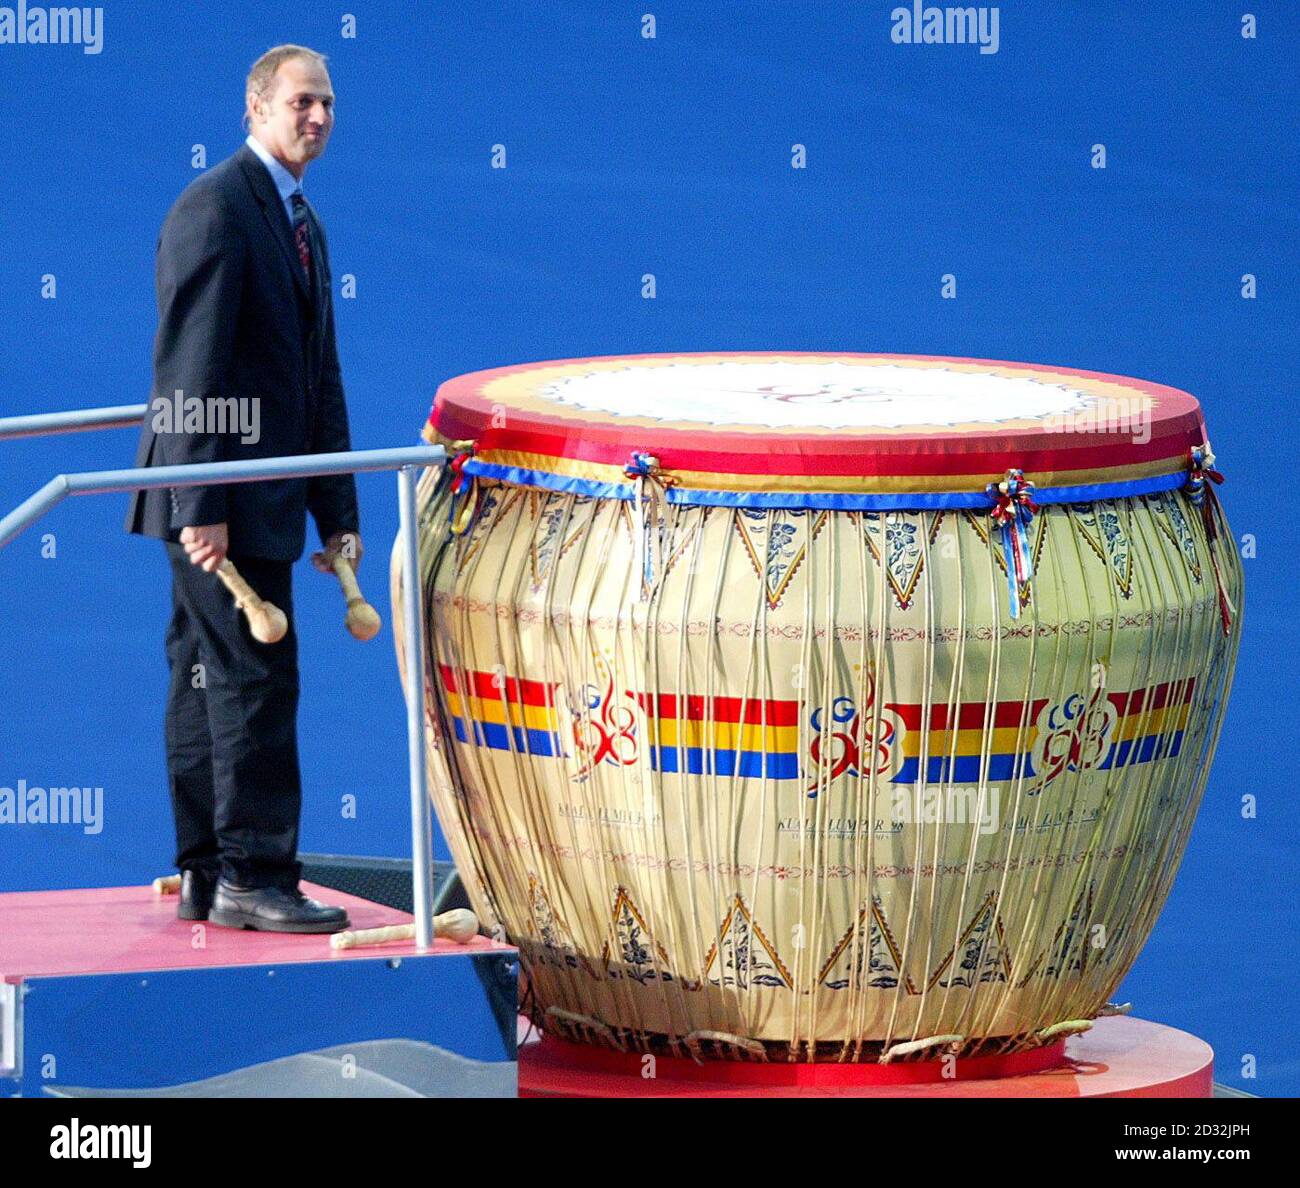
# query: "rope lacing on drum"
651,484
1013,509
584,1027
1046,1035
910,1047
461,512
732,1043
1201,495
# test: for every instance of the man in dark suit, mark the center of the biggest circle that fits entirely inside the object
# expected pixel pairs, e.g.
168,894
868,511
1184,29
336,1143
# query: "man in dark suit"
245,366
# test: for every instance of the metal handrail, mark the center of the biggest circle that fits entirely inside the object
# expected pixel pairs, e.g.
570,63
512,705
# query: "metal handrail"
406,460
77,420
196,474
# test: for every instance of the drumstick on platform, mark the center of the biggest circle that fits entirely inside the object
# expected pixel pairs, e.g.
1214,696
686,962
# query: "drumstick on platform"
265,620
459,925
167,885
363,620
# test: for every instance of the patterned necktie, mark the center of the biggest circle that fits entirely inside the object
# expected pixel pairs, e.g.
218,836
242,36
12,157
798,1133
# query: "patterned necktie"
301,233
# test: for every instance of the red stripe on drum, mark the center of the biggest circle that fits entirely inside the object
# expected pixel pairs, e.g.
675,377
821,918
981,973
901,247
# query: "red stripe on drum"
498,687
757,712
971,715
1129,704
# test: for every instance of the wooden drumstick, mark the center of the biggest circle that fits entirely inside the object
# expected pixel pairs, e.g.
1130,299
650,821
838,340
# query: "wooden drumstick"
265,620
459,925
363,620
167,885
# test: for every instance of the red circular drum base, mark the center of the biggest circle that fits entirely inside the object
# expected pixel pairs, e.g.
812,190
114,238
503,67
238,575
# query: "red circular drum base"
1119,1057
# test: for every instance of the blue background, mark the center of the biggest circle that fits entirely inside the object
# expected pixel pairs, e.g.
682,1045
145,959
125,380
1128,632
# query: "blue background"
669,156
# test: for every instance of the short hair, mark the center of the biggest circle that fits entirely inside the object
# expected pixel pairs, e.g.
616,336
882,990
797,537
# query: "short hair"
261,78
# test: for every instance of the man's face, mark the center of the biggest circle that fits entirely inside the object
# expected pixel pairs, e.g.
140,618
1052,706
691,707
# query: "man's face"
295,122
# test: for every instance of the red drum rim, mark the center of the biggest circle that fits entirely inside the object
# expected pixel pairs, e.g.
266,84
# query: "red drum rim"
1122,436
555,1054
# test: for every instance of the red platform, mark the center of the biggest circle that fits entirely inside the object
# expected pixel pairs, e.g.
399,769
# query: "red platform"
129,929
1119,1057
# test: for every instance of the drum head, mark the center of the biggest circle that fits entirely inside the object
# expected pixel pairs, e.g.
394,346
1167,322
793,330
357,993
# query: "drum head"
822,425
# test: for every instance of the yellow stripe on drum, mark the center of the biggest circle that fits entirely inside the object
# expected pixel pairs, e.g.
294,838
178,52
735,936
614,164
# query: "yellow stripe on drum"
724,736
1161,721
1006,740
482,709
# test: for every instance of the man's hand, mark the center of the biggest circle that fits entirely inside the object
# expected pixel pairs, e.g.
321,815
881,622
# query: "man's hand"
206,545
341,544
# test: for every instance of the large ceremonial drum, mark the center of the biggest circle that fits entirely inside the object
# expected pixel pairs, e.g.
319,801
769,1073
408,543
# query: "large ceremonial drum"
821,706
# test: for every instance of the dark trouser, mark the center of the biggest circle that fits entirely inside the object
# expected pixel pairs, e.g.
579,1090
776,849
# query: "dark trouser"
232,745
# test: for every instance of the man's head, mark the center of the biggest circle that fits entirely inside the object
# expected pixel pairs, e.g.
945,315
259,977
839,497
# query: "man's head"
290,105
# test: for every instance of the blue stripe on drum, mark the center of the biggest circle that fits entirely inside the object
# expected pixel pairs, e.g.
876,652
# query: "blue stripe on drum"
825,500
1154,746
964,769
493,735
702,761
564,484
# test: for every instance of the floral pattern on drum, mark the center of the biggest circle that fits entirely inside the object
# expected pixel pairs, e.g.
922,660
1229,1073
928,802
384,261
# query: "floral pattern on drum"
1038,536
546,546
776,543
904,557
748,957
1069,948
984,956
639,956
1104,525
880,954
1173,524
557,947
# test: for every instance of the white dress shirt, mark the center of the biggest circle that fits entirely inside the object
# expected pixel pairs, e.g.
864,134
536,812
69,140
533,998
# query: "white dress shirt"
285,182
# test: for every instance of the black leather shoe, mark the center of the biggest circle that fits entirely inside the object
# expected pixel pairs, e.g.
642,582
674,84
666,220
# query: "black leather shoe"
196,895
273,909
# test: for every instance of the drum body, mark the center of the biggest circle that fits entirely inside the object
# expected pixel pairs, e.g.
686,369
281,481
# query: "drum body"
813,773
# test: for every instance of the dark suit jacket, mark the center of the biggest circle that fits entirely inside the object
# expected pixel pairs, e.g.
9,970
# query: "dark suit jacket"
236,318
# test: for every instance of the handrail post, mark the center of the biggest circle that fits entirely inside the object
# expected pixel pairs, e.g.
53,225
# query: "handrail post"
413,610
